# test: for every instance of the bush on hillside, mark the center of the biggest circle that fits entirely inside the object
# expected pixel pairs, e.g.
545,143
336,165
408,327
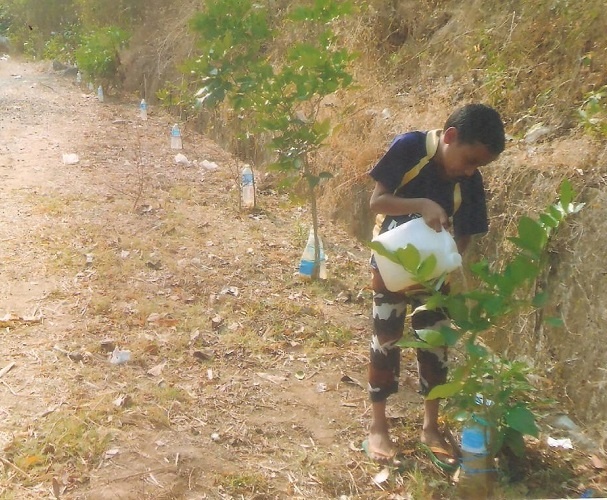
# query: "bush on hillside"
98,56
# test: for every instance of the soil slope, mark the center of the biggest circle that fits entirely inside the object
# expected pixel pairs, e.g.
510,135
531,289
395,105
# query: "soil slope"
242,382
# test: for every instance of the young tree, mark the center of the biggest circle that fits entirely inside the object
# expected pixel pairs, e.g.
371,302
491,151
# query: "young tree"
484,384
279,96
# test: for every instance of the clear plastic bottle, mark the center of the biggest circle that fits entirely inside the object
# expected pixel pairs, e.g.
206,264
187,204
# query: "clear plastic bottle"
143,110
478,471
176,142
100,95
78,78
306,264
247,187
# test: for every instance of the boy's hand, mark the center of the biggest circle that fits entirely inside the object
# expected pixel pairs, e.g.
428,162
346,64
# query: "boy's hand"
383,201
434,216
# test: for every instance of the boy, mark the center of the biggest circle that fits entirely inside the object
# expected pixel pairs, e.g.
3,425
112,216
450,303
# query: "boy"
433,175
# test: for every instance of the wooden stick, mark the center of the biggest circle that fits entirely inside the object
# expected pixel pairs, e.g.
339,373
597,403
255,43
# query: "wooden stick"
13,466
7,369
144,473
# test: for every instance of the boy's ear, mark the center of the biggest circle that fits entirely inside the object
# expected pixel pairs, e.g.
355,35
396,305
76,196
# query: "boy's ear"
450,135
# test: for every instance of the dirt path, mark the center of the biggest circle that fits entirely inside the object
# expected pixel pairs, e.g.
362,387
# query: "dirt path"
242,383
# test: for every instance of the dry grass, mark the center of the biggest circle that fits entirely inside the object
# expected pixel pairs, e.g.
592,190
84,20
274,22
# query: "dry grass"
235,387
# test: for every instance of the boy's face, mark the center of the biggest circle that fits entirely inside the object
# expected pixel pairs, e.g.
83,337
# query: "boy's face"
462,160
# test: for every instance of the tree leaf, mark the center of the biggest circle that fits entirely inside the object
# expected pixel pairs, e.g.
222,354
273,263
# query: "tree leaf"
566,193
522,420
549,221
433,338
521,269
540,299
415,344
380,249
450,335
554,321
458,309
556,212
445,390
531,236
426,268
476,350
409,258
514,440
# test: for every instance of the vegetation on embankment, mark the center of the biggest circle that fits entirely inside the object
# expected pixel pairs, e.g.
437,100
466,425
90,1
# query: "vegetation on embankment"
541,63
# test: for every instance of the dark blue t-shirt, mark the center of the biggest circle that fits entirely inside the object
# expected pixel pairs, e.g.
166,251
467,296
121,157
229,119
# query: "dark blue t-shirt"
408,170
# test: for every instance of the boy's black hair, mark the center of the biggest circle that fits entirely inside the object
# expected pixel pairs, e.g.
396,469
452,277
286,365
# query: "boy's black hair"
478,123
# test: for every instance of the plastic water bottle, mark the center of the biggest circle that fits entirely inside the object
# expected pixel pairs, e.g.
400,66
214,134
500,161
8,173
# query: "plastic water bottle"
306,264
143,110
176,142
247,187
100,95
477,464
427,241
78,78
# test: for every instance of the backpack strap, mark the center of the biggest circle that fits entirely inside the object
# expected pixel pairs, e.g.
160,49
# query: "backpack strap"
432,142
457,197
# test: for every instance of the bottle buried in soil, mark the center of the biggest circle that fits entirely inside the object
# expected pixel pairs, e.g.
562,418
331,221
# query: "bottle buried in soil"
143,110
478,473
247,188
176,142
306,264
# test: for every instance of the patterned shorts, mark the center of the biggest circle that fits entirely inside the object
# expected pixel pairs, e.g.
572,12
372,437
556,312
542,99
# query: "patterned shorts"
389,313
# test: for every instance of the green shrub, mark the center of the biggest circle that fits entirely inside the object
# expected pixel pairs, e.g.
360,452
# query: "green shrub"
98,56
62,46
593,112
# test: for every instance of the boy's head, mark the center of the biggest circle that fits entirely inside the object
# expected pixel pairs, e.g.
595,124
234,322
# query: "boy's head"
473,136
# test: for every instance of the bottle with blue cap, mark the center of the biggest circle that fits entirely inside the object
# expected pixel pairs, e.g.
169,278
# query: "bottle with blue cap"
176,142
247,188
308,258
143,110
477,475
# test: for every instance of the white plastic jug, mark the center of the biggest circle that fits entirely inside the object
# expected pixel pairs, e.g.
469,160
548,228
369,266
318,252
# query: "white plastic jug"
427,241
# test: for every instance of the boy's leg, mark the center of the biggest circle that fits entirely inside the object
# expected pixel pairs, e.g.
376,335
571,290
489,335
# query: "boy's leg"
432,367
389,311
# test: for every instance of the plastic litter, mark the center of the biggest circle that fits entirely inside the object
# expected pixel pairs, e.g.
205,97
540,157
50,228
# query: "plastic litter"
209,165
564,443
70,158
119,357
181,159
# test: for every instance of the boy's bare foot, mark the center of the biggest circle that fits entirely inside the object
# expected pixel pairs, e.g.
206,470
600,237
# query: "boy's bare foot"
436,444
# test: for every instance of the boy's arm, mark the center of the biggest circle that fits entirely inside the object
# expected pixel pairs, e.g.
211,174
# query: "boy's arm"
383,201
